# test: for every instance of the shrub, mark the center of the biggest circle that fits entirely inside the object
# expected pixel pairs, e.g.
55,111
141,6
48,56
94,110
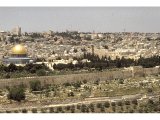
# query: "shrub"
12,67
145,110
24,111
120,111
17,93
122,108
127,107
119,103
134,107
72,110
16,111
135,102
155,109
127,102
78,106
140,110
113,104
91,105
131,111
150,102
97,82
92,109
35,85
87,110
47,94
41,72
107,82
113,108
68,108
83,108
106,104
71,94
72,107
59,109
7,111
102,109
149,90
7,76
77,84
99,105
67,84
121,81
43,110
34,110
85,81
51,110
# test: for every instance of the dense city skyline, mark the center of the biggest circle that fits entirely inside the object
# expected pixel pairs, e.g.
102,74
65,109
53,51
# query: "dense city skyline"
44,71
85,19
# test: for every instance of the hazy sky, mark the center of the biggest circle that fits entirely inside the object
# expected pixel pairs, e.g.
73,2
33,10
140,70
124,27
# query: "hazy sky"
99,19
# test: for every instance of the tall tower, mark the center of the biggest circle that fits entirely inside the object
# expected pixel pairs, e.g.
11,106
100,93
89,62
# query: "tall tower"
92,47
16,30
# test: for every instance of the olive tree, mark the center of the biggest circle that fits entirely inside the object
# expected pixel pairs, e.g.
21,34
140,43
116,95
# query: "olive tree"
35,85
17,93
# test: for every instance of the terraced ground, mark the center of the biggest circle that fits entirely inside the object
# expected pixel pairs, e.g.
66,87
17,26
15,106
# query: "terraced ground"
118,94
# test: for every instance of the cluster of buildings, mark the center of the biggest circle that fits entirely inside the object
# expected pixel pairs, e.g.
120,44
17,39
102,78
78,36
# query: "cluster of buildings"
64,47
6,34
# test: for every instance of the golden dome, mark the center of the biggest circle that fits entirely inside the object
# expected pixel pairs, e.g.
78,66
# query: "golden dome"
18,49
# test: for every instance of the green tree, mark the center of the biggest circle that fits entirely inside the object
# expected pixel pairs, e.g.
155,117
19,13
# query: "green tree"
12,67
72,109
7,111
113,108
127,102
16,111
41,72
24,111
99,105
119,103
71,94
51,109
91,106
149,90
113,104
121,81
106,104
75,50
43,110
135,102
78,107
68,108
35,85
102,109
7,76
34,110
83,108
59,109
17,93
84,81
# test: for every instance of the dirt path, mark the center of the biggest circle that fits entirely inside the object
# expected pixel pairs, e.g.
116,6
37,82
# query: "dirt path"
86,101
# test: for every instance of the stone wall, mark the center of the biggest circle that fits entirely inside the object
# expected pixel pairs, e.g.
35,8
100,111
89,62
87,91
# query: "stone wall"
107,75
151,71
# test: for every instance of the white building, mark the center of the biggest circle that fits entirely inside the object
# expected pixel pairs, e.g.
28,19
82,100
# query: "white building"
16,31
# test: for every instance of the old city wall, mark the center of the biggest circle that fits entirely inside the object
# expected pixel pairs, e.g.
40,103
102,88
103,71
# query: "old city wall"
107,75
151,71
